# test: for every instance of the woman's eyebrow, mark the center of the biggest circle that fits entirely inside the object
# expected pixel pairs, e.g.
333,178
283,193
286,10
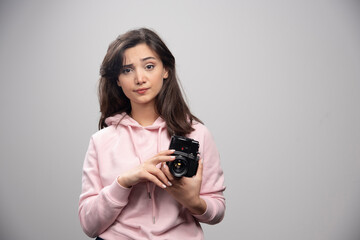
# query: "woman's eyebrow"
143,60
128,65
147,58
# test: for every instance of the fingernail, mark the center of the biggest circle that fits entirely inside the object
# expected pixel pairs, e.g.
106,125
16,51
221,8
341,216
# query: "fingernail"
172,157
173,150
169,183
164,186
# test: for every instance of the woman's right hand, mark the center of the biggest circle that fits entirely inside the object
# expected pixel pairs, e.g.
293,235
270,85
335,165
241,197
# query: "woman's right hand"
147,171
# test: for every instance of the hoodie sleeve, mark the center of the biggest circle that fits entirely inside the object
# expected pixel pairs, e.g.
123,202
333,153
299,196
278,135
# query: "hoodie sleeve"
99,206
212,186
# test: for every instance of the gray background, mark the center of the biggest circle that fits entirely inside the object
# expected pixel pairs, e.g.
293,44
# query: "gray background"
277,82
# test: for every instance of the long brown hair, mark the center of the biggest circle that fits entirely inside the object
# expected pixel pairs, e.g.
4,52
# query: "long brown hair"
170,104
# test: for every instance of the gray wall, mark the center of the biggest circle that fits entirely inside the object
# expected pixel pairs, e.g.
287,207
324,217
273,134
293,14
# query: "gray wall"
277,82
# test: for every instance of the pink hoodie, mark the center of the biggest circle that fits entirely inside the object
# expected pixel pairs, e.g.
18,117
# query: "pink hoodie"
144,211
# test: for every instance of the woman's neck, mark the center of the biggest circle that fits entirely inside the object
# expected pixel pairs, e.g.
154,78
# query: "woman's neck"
144,115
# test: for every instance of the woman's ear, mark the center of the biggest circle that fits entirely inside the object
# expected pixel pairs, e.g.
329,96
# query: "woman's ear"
118,83
166,74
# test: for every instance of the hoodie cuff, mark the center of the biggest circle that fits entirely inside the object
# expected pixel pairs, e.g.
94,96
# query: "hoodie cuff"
118,194
208,214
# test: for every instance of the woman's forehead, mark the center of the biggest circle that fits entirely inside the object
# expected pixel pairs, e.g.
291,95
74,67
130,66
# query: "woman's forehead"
139,52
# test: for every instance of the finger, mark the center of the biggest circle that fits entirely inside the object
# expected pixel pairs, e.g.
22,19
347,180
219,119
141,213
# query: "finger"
160,159
165,169
165,152
160,175
155,180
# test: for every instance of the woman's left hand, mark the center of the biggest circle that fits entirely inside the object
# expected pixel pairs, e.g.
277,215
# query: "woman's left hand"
187,190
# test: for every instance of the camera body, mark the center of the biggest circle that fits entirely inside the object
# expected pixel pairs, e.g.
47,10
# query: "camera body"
186,156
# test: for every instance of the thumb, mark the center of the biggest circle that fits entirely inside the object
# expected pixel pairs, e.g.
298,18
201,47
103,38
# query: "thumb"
200,169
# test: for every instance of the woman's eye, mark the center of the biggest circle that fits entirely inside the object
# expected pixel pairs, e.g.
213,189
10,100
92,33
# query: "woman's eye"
149,66
126,70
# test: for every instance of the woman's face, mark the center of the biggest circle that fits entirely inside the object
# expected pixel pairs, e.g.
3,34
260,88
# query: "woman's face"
142,76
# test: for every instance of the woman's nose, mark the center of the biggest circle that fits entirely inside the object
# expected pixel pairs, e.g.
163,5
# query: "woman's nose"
140,77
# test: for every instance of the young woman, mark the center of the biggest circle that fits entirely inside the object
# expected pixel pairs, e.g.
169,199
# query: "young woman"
128,191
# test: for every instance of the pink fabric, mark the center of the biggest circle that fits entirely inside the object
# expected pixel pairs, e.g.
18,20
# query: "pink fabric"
108,210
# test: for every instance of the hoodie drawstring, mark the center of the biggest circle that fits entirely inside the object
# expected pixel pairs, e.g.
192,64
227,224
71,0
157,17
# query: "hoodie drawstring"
150,193
154,186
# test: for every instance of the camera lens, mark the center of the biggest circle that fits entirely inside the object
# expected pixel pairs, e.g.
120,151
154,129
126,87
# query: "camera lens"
179,166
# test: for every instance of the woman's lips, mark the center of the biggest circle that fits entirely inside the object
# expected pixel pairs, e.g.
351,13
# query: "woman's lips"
141,90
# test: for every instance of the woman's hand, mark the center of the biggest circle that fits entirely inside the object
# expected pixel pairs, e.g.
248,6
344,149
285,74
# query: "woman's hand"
147,171
187,190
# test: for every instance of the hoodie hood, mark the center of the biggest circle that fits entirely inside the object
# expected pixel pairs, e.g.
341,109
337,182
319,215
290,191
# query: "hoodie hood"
127,121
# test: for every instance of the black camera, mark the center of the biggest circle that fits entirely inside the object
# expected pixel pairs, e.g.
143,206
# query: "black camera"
186,156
